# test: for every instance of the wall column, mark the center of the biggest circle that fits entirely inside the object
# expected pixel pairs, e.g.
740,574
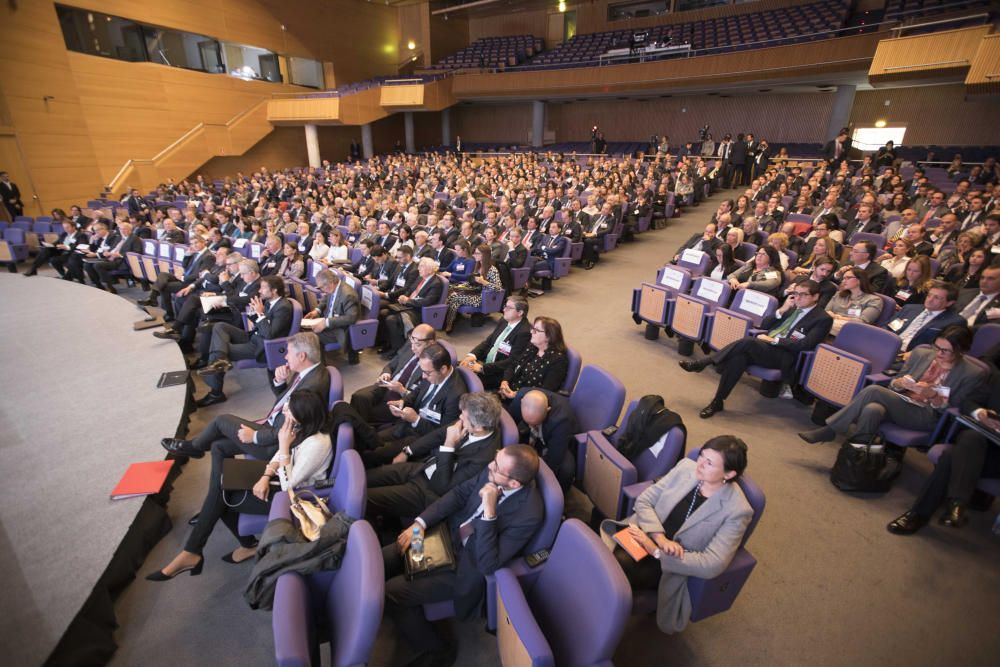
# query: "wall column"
840,110
408,130
537,123
366,141
446,127
312,146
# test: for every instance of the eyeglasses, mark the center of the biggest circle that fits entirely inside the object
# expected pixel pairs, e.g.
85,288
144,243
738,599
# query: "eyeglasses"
495,467
419,340
510,306
537,330
797,293
943,350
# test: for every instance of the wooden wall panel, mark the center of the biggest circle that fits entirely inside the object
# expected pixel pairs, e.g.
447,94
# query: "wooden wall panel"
984,75
427,128
447,37
521,23
933,55
939,115
777,118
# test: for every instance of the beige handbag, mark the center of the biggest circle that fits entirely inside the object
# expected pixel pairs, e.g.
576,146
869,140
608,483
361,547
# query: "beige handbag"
312,515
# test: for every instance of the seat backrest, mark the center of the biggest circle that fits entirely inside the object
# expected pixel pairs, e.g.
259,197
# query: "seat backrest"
714,291
754,495
572,372
451,350
581,599
757,306
555,502
656,462
879,346
349,487
888,311
344,441
597,399
987,335
508,430
472,381
355,598
296,316
674,278
336,386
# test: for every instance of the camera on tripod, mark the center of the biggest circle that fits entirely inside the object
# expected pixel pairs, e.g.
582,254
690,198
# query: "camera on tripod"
703,132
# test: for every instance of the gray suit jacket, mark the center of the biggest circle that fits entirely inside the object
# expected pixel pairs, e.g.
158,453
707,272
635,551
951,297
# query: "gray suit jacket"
345,308
961,381
710,537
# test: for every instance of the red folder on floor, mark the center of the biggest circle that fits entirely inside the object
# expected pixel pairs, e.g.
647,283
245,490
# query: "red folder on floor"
142,479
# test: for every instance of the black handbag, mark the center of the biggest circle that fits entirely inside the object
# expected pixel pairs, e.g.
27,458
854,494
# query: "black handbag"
859,468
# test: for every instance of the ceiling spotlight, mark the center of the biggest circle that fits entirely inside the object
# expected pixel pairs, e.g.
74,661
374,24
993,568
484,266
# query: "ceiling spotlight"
411,45
562,5
880,123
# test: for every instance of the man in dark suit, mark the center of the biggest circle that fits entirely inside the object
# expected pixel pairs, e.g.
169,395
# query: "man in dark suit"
399,377
10,196
490,519
511,337
58,254
836,149
184,328
863,256
271,317
798,326
426,292
919,325
640,209
437,462
112,257
981,306
440,252
737,161
271,257
197,261
593,236
303,372
432,404
864,221
337,311
552,246
136,204
80,221
975,454
705,242
546,421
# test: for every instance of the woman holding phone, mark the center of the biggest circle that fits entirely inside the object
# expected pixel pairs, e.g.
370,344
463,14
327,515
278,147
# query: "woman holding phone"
304,455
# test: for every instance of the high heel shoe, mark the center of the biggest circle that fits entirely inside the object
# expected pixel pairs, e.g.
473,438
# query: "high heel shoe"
159,576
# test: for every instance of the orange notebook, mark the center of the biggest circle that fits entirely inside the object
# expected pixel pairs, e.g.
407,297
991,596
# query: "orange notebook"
142,479
628,543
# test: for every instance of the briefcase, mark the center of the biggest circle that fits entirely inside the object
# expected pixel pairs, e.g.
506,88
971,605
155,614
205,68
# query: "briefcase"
438,554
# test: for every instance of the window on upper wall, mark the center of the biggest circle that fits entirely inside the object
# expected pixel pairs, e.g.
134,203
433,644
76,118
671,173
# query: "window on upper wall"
98,34
684,5
305,72
637,10
184,49
874,138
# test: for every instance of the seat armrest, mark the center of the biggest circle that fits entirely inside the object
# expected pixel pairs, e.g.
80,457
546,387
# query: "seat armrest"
291,623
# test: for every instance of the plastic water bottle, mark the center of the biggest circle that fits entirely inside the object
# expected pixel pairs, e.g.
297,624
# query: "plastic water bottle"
417,545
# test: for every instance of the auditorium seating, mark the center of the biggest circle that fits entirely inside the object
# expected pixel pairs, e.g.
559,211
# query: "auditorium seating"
904,10
492,52
772,27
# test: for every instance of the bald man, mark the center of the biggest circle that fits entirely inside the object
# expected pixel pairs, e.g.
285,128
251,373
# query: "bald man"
545,420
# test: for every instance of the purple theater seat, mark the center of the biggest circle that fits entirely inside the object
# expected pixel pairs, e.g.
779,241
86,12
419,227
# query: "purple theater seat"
574,610
987,335
434,315
572,371
492,302
344,606
275,348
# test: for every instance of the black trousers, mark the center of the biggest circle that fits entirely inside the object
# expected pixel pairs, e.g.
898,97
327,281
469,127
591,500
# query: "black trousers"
100,272
226,427
397,490
642,575
50,255
957,471
590,246
217,503
74,267
167,294
738,355
404,600
370,404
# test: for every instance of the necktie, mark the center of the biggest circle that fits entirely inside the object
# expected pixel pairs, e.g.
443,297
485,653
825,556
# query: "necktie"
419,287
971,312
907,335
492,354
782,329
284,399
407,372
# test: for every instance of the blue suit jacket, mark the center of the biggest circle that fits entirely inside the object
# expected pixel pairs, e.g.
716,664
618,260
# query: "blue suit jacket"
930,331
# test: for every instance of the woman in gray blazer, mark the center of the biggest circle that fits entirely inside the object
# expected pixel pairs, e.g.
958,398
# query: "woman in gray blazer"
932,379
691,522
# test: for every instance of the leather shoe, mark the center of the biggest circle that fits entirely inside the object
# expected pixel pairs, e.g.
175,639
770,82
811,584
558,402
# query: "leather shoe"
210,399
167,334
818,435
354,359
907,524
217,367
696,366
178,446
198,364
710,409
954,516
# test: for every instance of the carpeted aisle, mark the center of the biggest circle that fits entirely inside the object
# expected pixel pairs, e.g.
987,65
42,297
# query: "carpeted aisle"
832,586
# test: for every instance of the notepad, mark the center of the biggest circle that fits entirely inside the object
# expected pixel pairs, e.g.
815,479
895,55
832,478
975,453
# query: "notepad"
628,543
212,302
310,322
142,479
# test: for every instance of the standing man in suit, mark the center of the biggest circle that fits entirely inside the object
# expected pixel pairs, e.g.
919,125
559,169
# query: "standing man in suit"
433,403
339,309
797,326
752,147
836,149
303,371
111,260
405,313
981,306
546,421
490,519
398,378
10,195
508,341
270,317
437,462
918,325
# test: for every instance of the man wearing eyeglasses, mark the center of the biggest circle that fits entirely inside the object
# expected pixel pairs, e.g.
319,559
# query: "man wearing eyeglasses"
509,340
797,326
490,519
398,378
